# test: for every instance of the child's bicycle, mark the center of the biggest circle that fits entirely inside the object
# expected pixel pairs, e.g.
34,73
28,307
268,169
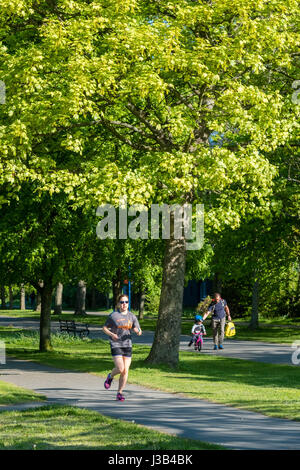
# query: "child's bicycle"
198,341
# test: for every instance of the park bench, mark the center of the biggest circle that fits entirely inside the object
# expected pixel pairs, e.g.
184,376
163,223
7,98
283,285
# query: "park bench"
69,326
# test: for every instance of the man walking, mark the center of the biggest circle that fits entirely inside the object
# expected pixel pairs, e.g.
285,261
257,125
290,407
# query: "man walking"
219,310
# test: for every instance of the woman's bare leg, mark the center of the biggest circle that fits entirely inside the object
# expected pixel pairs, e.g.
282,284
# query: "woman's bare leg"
119,366
124,373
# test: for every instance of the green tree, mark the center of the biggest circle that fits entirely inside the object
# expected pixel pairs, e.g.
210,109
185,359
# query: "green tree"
38,237
158,86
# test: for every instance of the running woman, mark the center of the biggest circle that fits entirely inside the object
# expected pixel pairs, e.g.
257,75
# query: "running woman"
118,326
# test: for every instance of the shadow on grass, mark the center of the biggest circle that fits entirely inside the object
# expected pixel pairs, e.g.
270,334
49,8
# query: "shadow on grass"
65,427
94,356
235,371
213,369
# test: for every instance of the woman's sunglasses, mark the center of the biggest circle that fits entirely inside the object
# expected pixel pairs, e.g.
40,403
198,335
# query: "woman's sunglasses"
123,301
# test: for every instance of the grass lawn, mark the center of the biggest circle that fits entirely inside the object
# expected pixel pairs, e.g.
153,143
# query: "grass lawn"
266,333
26,314
273,390
66,427
271,330
11,394
39,428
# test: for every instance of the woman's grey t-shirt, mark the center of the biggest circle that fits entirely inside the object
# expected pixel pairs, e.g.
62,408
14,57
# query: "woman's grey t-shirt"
121,324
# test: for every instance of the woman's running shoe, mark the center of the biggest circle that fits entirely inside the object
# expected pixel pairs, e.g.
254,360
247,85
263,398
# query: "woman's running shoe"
120,397
108,381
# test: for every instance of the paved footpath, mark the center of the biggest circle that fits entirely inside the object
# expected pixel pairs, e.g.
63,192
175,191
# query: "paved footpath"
171,413
249,350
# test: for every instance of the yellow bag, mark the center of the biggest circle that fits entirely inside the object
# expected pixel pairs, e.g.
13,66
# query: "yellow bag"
230,329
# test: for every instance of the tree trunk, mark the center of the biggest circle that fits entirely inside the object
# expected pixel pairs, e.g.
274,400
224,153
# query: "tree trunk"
93,300
45,318
58,299
298,283
39,298
217,283
295,310
107,300
254,314
135,300
80,299
38,303
3,303
22,297
117,288
11,298
142,304
165,348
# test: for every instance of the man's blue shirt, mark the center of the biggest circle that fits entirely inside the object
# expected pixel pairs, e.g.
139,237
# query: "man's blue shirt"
219,309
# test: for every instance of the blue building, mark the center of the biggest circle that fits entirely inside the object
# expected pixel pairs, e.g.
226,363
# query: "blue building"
196,291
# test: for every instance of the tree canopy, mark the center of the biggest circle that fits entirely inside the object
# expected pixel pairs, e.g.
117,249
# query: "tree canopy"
113,98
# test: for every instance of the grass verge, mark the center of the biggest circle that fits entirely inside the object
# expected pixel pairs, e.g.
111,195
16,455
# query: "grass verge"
270,389
274,330
66,427
11,394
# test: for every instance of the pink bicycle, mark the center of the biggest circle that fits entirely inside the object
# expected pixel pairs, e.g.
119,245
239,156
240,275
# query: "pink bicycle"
198,341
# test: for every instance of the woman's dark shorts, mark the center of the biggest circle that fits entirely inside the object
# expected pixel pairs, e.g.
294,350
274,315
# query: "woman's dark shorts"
126,352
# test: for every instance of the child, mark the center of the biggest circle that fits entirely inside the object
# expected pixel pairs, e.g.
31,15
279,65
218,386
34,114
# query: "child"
198,328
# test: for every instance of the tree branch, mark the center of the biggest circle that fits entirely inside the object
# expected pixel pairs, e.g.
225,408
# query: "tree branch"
157,134
131,127
108,124
182,99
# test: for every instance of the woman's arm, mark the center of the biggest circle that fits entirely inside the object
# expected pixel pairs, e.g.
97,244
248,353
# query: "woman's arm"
138,331
109,333
136,326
